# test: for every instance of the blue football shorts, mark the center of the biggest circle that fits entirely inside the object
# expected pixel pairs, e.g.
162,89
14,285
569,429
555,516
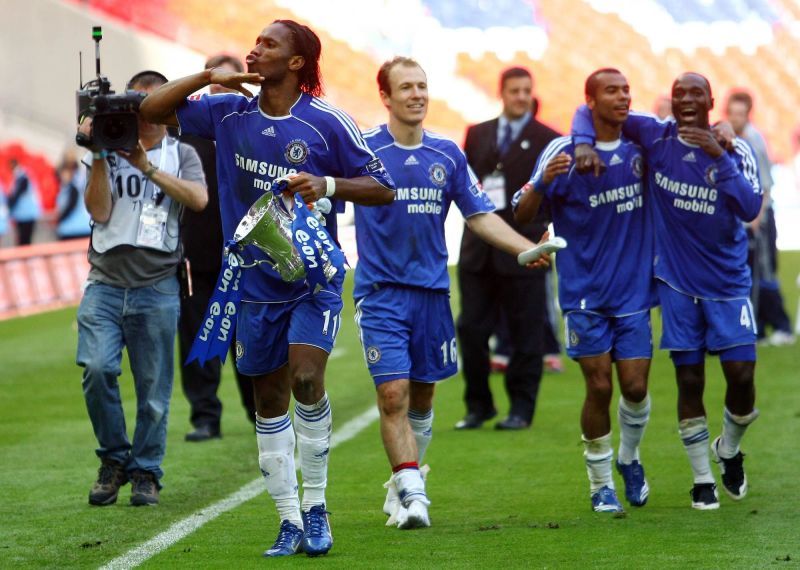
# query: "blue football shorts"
264,331
407,333
626,337
690,323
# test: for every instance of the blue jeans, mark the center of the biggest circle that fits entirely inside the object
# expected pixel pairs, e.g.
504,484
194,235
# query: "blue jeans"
144,319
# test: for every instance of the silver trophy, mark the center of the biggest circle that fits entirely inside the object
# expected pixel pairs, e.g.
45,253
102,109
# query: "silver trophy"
268,226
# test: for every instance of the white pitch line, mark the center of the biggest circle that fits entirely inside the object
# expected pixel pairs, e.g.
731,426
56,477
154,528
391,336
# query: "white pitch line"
187,526
337,352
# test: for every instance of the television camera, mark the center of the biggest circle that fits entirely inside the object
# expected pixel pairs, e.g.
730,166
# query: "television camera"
114,123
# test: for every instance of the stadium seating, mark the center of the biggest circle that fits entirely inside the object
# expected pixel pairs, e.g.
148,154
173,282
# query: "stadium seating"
712,11
480,14
716,36
38,168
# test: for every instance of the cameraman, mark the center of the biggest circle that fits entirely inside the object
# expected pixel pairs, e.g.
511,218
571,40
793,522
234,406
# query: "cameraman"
135,199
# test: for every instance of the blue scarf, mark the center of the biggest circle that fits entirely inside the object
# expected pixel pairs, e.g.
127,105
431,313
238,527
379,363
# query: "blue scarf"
315,246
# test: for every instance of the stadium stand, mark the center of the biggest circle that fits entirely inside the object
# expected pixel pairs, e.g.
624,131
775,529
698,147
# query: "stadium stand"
480,14
37,166
734,43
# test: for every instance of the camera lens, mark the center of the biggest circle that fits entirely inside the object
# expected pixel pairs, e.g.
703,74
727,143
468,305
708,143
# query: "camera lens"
113,129
116,130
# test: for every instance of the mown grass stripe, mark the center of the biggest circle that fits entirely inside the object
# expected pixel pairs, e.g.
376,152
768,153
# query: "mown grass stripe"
188,525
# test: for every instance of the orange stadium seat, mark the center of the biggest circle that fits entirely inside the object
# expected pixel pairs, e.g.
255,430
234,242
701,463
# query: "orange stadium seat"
580,40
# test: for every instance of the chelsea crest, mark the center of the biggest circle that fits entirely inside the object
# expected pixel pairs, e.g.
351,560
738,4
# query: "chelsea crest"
438,174
296,151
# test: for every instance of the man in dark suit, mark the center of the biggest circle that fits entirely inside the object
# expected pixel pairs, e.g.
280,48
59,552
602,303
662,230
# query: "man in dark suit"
202,246
503,152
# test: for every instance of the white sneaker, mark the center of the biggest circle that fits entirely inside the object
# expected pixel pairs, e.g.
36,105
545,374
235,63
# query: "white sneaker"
781,338
415,516
392,504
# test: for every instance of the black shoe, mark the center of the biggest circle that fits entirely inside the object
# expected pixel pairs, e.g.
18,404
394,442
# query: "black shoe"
203,433
110,477
144,488
474,421
734,481
512,422
704,496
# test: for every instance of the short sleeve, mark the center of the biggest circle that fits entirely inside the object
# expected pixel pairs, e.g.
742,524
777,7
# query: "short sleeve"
191,166
199,114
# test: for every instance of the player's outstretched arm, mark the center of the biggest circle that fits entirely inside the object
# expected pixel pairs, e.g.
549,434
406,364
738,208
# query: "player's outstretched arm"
159,106
492,229
363,190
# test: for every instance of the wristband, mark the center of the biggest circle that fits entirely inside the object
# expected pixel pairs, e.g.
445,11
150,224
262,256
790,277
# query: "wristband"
151,169
99,154
330,186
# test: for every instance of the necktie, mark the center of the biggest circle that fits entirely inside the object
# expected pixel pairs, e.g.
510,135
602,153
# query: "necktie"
505,141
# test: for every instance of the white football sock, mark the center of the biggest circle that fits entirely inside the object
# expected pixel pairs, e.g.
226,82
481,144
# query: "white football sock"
313,427
694,434
422,426
633,418
410,486
733,428
598,455
276,442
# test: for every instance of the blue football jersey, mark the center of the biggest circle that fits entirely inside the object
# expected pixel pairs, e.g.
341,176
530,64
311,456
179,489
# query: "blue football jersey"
699,205
254,148
403,242
607,266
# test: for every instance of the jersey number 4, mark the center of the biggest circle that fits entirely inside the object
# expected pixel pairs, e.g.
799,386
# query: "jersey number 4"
745,319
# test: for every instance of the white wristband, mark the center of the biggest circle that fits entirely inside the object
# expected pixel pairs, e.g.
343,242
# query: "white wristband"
330,186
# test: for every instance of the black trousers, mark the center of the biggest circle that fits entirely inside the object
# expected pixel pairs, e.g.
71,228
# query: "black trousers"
766,292
200,383
521,301
25,232
550,342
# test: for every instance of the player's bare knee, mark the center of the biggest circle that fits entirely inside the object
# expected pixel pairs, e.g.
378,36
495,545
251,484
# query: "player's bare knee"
739,374
690,379
634,390
392,399
307,386
599,388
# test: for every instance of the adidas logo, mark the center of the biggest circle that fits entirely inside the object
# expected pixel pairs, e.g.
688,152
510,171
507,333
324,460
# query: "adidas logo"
615,160
269,131
689,156
411,161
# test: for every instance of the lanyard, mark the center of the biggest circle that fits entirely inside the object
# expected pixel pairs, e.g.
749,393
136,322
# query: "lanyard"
162,161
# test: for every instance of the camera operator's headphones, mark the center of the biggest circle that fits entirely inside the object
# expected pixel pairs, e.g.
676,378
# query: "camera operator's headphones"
145,73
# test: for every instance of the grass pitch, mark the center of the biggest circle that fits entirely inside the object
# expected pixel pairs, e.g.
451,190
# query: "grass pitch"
512,500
